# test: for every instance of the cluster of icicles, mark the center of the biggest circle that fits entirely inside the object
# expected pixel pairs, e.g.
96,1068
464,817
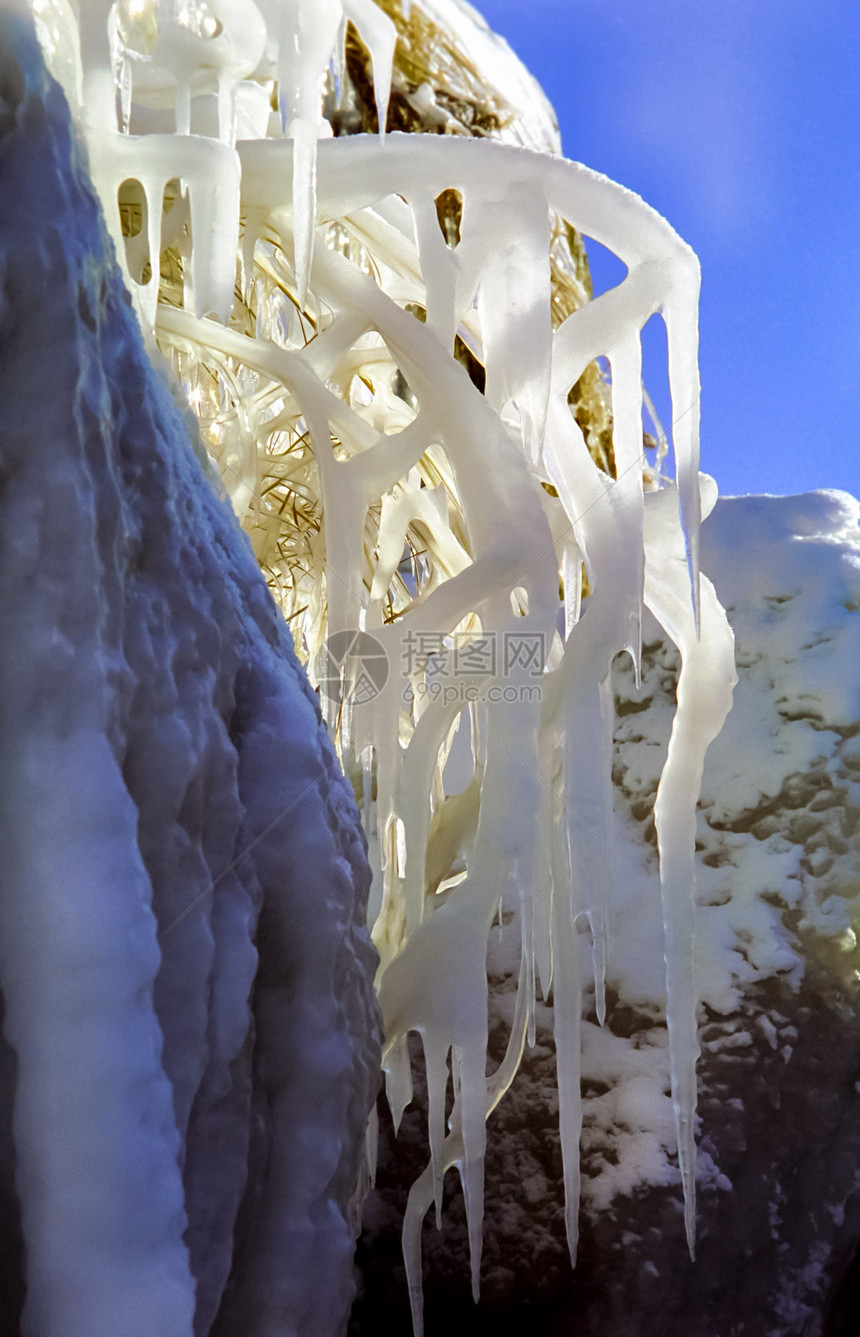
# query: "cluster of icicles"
424,512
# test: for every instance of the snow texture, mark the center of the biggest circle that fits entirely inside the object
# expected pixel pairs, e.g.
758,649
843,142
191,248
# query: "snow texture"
187,984
776,856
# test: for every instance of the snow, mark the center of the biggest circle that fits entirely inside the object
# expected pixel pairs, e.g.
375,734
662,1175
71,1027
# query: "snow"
531,121
180,855
787,570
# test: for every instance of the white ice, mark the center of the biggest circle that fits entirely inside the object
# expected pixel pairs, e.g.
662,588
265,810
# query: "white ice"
344,233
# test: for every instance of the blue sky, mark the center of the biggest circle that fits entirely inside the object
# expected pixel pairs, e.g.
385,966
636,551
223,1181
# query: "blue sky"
740,121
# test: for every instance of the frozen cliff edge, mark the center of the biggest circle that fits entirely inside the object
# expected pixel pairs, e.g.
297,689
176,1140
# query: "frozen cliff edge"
191,1038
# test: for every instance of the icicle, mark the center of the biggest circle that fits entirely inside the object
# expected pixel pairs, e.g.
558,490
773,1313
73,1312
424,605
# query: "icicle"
416,777
338,62
681,315
626,362
227,109
380,37
542,888
306,34
515,309
153,191
211,172
436,1067
571,573
472,1109
398,1078
704,699
183,104
439,268
567,1011
125,94
587,807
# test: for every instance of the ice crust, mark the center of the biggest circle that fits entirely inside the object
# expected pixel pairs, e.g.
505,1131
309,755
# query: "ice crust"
186,978
499,486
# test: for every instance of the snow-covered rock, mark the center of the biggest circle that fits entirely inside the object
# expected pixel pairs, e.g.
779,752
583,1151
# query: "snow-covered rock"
191,1037
778,972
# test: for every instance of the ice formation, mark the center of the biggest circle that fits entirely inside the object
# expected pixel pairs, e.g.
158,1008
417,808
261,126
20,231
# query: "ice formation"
427,511
778,976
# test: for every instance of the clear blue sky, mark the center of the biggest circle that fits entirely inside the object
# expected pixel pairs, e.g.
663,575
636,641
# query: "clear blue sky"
740,121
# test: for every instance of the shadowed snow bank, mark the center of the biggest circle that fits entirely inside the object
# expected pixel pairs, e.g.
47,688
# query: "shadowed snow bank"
191,1037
